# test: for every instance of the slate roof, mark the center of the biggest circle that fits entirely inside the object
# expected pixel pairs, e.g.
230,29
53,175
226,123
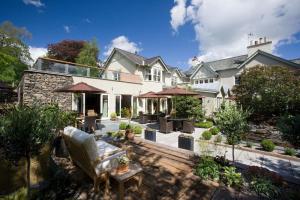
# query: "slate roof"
181,73
297,60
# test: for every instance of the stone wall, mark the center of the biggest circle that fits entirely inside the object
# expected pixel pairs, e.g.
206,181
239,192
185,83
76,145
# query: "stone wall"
37,87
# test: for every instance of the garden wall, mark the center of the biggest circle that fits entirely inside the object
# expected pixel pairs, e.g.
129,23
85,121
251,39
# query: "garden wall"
37,87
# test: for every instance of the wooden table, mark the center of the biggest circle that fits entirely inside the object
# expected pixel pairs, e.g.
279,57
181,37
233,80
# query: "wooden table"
135,171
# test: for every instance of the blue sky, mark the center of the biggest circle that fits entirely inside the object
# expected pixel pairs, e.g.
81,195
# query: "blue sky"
176,30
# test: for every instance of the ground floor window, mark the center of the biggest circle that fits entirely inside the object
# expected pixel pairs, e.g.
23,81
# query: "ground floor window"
104,105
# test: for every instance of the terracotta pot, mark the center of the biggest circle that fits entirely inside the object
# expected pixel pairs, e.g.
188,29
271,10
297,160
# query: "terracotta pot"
129,134
122,169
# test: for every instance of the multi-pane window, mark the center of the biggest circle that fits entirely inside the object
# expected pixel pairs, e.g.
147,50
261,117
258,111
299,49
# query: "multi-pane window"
196,81
201,81
156,75
206,80
148,75
116,76
174,80
237,80
211,80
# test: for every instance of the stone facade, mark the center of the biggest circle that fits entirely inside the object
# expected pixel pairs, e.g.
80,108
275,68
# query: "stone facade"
37,87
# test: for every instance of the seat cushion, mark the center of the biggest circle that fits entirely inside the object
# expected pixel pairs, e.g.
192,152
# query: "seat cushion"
106,149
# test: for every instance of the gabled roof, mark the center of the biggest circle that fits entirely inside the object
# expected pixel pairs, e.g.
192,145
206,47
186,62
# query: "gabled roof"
270,56
297,60
176,69
137,59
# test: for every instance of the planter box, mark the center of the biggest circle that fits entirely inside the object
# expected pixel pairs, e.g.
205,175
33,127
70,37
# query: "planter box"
150,135
186,142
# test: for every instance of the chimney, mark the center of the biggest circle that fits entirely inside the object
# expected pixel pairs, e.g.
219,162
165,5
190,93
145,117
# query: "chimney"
261,44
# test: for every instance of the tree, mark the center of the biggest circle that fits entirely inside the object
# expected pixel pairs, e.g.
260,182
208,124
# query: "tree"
269,91
232,121
289,126
187,106
67,50
23,133
14,53
88,54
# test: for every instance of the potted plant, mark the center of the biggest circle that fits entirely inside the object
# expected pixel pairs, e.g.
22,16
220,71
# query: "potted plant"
129,135
123,164
150,134
186,142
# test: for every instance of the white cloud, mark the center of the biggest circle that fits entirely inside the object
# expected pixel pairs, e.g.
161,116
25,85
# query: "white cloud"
37,52
36,3
67,29
178,14
222,28
122,42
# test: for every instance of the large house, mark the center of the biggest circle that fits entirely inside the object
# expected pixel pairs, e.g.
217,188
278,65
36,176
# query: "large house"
125,76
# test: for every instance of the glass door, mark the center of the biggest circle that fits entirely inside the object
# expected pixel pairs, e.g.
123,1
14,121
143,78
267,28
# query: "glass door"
104,106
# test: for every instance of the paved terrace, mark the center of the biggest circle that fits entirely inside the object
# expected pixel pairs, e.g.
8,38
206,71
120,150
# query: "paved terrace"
286,166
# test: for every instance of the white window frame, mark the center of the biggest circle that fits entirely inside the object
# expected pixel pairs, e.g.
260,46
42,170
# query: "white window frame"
156,73
206,81
174,80
201,81
211,80
148,74
116,76
237,80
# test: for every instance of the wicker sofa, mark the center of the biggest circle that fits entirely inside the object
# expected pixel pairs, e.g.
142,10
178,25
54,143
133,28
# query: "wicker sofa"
95,158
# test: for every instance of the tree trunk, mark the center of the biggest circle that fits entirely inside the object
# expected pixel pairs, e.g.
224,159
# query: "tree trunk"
233,153
28,173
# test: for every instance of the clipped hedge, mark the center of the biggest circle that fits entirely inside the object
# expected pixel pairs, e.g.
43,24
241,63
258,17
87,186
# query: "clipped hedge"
206,135
207,124
267,145
122,126
214,130
137,130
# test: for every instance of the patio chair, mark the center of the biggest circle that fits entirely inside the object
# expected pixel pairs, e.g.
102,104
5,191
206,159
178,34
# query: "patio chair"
95,158
90,123
143,119
165,126
188,126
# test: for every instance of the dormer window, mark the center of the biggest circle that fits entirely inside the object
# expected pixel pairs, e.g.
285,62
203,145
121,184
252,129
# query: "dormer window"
116,76
237,80
148,75
156,75
174,80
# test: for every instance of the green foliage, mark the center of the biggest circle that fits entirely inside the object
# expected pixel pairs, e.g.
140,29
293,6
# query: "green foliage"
263,187
207,168
20,194
113,116
206,124
289,126
214,130
267,145
137,130
122,126
110,133
249,144
14,53
231,177
88,54
218,139
187,107
67,50
269,90
129,126
290,151
206,135
125,112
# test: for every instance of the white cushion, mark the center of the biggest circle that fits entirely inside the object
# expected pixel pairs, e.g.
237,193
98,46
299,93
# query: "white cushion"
106,149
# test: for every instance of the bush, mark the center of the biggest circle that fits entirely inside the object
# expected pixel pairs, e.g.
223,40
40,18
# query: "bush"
218,139
206,135
113,116
231,177
125,112
249,144
264,188
122,126
207,168
137,130
19,194
206,124
267,145
214,130
290,151
289,126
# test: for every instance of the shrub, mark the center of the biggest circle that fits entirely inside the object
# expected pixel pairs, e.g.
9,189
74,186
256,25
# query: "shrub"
129,126
290,151
264,188
267,145
187,106
231,177
125,112
218,139
206,124
19,194
113,116
206,135
207,168
289,126
122,126
258,172
249,144
110,133
214,130
137,130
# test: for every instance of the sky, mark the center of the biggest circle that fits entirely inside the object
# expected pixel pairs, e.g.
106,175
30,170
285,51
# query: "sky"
176,30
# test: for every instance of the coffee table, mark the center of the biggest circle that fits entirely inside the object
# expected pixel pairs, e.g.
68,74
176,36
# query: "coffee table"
135,171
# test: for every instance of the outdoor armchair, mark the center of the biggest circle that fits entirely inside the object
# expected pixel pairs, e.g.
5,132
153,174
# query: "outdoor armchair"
95,158
165,126
188,126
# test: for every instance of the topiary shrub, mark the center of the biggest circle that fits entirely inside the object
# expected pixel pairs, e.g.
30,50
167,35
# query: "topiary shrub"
206,135
214,130
113,116
137,130
207,168
206,124
290,151
267,145
122,126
